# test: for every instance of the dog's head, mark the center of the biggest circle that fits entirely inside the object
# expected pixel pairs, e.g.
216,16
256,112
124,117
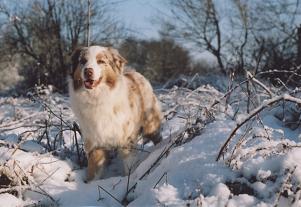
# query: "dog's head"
94,65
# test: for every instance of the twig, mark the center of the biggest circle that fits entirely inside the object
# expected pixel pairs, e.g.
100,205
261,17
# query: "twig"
265,104
50,110
230,85
49,176
249,97
99,187
289,173
281,71
75,129
34,185
114,185
16,147
21,126
283,84
266,131
43,192
252,77
19,121
15,188
128,180
239,143
164,174
60,133
47,136
228,92
178,140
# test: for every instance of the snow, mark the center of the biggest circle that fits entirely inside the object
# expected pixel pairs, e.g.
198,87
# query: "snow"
242,200
31,146
293,158
8,200
251,174
168,195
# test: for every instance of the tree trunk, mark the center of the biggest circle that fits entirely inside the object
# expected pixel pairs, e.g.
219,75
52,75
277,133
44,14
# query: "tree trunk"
299,46
88,23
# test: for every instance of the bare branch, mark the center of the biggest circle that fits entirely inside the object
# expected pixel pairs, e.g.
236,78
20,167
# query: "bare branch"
266,104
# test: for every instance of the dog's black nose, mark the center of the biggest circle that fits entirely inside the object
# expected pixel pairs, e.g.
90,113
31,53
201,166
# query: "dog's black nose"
88,73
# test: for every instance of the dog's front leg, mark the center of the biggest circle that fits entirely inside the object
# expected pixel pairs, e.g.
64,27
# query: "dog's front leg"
96,161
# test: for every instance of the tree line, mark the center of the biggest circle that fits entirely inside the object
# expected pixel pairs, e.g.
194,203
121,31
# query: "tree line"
242,35
38,36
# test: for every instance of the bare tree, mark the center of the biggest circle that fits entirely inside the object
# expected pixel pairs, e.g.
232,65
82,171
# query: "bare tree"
88,23
299,45
239,22
274,30
244,35
44,33
198,22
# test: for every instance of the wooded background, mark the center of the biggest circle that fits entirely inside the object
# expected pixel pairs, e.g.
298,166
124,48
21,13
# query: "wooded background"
38,36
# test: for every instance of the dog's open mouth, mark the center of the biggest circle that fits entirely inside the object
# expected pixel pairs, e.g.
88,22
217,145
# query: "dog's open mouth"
89,84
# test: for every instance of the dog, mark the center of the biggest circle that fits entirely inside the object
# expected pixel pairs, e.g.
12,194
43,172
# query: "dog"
113,105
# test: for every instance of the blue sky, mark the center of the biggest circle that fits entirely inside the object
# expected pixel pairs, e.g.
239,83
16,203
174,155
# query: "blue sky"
138,15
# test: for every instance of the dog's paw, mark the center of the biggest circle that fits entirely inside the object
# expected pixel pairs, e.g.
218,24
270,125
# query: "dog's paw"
88,179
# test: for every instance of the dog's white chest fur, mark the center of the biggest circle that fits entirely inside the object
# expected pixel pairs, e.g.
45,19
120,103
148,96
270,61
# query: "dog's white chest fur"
95,112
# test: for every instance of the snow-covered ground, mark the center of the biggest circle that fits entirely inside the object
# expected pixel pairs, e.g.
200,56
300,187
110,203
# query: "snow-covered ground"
41,164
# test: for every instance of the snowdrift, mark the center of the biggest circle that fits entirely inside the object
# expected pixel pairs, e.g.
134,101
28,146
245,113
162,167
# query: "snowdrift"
42,162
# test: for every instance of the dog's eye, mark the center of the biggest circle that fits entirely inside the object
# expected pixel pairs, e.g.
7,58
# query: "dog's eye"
100,61
82,61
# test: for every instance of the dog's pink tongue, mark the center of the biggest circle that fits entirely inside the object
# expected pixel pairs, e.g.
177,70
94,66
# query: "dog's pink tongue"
89,84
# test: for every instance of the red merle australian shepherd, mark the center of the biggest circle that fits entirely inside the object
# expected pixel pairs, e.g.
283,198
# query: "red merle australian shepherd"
112,105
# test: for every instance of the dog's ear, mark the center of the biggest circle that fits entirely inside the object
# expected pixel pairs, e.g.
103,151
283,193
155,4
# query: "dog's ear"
75,59
117,60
